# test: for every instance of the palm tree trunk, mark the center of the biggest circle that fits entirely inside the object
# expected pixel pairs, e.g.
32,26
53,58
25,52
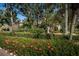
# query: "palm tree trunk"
72,27
66,19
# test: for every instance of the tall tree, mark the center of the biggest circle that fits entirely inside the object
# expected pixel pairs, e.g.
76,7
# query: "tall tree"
74,8
10,13
66,18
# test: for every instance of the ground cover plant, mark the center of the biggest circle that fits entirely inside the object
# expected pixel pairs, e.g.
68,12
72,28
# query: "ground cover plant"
36,47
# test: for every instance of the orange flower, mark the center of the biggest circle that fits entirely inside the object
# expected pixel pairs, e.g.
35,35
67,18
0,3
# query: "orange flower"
52,49
48,43
40,49
6,41
36,48
31,46
49,47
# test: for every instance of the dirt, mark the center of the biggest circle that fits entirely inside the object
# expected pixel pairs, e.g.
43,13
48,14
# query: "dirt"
4,52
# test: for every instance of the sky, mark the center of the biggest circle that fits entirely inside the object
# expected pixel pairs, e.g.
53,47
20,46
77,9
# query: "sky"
19,16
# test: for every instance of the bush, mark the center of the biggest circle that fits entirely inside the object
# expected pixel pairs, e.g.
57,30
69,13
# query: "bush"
33,47
37,33
64,48
6,33
27,46
1,41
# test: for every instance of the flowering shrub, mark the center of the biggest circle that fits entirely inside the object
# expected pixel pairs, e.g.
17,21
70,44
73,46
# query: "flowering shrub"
27,46
32,47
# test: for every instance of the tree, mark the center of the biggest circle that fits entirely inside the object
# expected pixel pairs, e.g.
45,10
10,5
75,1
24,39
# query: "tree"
9,15
74,8
66,18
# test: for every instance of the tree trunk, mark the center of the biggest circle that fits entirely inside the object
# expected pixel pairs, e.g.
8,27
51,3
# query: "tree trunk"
37,20
66,19
48,32
48,29
72,27
12,21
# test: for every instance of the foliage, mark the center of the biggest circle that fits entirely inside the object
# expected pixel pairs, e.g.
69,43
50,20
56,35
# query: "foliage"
32,47
26,40
37,32
1,40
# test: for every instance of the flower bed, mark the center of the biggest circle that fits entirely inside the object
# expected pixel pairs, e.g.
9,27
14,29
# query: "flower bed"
27,46
34,47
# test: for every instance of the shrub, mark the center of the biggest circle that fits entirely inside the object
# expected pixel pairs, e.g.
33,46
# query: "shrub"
64,47
37,33
33,47
1,41
27,46
6,33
